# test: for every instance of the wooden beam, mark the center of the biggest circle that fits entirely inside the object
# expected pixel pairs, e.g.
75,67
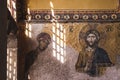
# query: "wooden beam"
3,39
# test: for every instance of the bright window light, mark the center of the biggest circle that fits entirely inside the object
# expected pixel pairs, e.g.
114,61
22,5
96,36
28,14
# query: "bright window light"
64,38
10,68
11,4
26,31
61,35
28,10
53,24
10,60
64,46
58,32
14,4
61,28
54,37
54,53
51,4
58,56
10,75
8,2
14,78
14,71
30,30
58,40
58,48
11,63
14,64
62,51
11,55
62,59
61,43
11,52
64,31
52,12
8,51
7,73
58,25
54,45
53,29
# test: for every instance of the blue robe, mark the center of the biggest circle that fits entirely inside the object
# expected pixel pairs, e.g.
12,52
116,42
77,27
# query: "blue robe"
100,59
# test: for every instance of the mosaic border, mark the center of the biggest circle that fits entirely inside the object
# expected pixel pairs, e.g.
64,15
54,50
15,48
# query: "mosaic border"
64,16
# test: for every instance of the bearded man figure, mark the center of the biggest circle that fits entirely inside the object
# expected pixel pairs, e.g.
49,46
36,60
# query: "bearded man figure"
92,56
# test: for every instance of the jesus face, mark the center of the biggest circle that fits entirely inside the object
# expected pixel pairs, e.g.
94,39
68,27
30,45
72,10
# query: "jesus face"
91,39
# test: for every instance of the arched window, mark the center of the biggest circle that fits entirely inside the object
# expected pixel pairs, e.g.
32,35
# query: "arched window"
12,46
11,4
